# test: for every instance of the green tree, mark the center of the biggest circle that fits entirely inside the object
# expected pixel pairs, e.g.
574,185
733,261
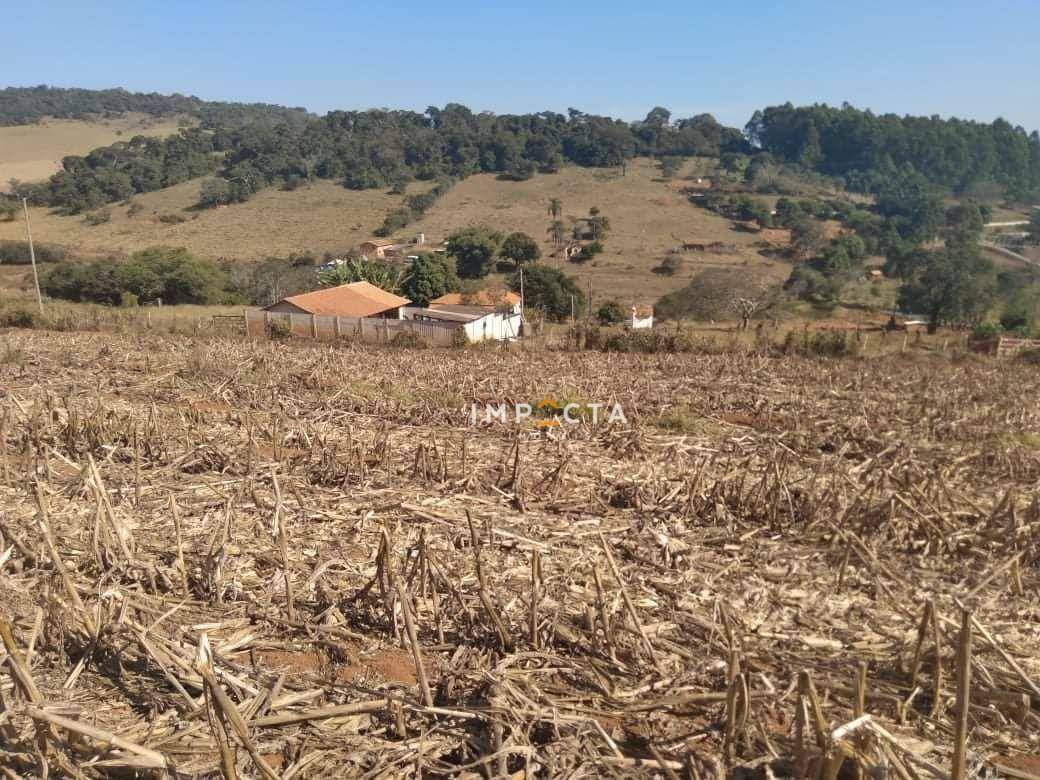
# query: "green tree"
808,237
520,248
956,286
428,277
357,269
610,313
474,249
549,290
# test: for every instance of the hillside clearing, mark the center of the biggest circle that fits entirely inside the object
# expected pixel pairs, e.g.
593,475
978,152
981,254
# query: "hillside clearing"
33,152
648,217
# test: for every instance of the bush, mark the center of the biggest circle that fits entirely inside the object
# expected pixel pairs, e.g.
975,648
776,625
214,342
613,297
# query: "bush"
159,273
172,219
669,266
836,343
987,330
279,329
610,313
99,217
17,253
409,340
650,341
19,318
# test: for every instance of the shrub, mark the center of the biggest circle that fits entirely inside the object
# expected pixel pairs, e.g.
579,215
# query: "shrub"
279,329
99,217
1029,356
19,317
987,330
410,340
836,343
669,266
651,341
610,313
172,219
17,253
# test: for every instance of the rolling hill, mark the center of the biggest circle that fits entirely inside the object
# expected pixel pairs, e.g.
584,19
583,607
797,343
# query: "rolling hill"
647,215
33,152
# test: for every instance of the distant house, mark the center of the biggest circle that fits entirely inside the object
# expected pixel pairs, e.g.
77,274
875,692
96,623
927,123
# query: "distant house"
357,299
640,318
377,247
480,301
477,323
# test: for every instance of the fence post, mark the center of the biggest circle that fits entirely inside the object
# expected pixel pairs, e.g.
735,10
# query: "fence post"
339,328
386,330
314,327
361,327
267,323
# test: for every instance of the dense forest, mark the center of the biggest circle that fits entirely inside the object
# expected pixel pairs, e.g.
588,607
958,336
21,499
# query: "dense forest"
248,147
973,159
366,149
27,105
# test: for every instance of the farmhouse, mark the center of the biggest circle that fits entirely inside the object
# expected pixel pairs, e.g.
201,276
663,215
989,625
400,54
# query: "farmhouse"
377,247
477,323
481,301
357,299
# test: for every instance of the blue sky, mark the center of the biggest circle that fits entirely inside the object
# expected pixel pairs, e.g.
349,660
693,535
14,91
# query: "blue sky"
969,59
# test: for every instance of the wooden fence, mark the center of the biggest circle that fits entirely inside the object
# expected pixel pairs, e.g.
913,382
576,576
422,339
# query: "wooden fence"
376,330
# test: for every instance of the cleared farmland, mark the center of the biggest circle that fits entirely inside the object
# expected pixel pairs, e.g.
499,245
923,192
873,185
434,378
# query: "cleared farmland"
34,152
259,558
648,217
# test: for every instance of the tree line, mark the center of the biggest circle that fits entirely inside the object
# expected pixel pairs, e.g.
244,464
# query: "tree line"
369,149
28,105
973,159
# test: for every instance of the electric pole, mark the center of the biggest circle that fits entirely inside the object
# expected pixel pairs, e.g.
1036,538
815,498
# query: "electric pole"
32,254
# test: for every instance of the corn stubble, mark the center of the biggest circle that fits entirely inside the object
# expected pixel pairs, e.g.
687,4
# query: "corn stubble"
261,560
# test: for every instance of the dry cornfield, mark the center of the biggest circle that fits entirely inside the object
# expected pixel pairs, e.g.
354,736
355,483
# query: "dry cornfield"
268,560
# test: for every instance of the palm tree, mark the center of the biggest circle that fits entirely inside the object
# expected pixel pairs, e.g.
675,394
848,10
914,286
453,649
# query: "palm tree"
558,231
358,269
555,208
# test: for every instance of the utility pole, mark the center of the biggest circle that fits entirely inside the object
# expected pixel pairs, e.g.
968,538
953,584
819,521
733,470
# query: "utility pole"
32,254
523,331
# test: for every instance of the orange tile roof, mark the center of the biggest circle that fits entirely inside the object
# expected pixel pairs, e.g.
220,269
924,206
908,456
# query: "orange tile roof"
480,298
357,299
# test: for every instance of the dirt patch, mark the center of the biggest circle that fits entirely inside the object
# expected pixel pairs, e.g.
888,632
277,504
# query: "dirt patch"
293,661
390,665
1030,764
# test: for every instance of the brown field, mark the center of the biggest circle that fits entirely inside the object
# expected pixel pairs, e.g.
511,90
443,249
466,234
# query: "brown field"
34,152
217,554
319,217
647,216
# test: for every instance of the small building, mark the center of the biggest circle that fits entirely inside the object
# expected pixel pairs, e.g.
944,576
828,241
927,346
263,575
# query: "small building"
640,318
480,301
377,247
478,324
357,299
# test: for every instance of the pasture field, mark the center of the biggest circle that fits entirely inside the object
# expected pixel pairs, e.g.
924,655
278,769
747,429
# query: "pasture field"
648,216
33,152
272,559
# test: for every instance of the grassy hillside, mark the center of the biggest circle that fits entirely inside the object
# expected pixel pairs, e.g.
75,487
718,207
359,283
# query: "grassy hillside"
647,215
320,217
34,152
